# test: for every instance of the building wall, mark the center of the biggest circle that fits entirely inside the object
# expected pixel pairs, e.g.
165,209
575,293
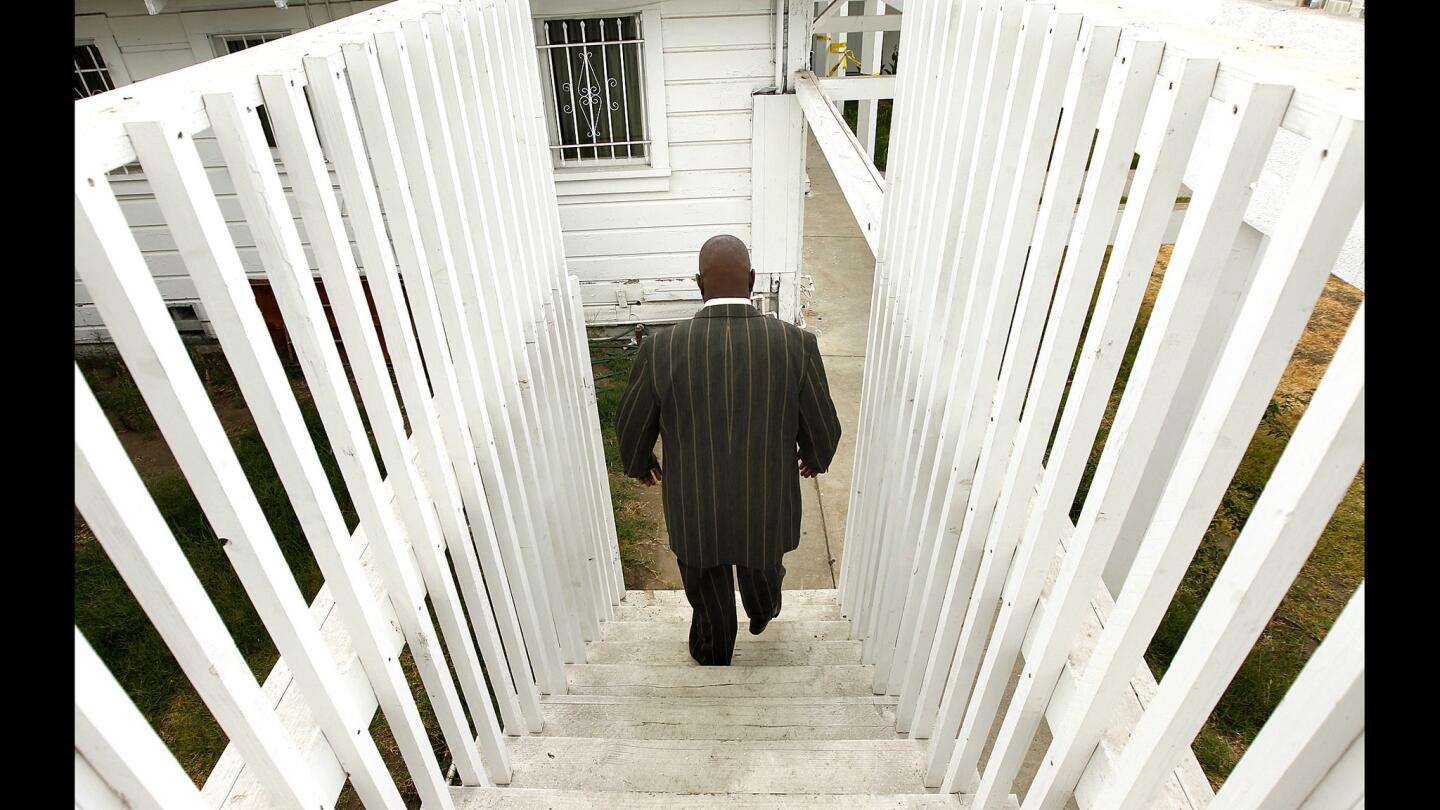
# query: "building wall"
633,243
635,252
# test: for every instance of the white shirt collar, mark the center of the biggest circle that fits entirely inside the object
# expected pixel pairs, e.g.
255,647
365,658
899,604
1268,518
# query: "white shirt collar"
715,302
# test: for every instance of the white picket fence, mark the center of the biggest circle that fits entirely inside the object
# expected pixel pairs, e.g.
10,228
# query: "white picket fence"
961,562
429,113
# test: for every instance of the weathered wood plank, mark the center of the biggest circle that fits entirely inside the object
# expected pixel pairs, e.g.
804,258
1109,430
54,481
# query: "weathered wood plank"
534,799
773,653
756,681
799,596
650,718
778,630
681,613
696,766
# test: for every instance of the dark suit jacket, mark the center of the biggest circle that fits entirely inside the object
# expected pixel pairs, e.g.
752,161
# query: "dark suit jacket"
733,393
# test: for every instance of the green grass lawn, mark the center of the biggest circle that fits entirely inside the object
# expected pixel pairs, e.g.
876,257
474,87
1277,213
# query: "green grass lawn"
851,112
612,369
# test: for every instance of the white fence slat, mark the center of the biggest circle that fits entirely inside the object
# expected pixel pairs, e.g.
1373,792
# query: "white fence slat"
253,170
92,792
1001,104
1343,788
330,98
512,37
1126,101
399,197
508,39
1032,234
854,572
1004,103
1128,271
919,261
891,267
435,80
178,178
1219,320
1312,728
443,220
118,509
861,557
1317,467
295,132
944,406
1268,327
112,735
948,287
516,242
469,126
1190,282
110,265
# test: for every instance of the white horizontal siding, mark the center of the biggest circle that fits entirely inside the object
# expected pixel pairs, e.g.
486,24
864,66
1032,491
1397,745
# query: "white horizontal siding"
642,246
716,54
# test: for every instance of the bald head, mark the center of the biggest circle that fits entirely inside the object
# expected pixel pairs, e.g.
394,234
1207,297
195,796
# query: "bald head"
725,269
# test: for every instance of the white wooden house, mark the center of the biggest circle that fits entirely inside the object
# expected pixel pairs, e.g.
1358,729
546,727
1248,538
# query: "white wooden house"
419,140
656,141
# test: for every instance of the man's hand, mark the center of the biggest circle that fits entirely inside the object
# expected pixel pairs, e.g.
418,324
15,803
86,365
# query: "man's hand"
653,477
805,471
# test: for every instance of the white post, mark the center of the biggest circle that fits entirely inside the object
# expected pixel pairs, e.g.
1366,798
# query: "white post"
870,64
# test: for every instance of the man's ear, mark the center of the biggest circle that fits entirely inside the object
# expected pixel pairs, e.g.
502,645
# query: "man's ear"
752,281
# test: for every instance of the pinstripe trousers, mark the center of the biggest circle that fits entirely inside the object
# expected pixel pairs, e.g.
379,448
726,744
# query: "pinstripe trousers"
711,592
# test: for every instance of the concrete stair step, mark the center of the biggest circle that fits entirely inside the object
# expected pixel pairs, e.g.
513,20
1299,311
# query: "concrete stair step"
680,612
510,798
759,652
806,596
694,680
717,766
709,718
782,629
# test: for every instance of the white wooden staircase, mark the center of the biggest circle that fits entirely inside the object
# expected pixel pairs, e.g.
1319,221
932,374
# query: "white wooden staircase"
791,723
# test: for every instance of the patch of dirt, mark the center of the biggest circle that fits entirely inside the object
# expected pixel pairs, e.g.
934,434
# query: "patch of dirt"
151,455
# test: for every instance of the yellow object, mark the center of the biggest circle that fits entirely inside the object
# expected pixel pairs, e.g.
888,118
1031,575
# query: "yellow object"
847,57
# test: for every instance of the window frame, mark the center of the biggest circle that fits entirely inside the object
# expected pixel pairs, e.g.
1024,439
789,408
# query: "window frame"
94,29
604,176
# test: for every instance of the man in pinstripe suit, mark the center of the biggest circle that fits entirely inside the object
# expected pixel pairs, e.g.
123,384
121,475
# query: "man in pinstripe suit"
741,401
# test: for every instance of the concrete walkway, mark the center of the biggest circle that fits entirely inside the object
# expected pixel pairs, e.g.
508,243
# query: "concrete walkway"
838,311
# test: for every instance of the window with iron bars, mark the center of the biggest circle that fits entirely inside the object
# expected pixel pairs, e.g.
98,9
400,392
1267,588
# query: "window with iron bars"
91,74
226,44
595,100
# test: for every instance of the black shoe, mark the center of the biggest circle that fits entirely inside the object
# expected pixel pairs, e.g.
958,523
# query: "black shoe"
757,626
